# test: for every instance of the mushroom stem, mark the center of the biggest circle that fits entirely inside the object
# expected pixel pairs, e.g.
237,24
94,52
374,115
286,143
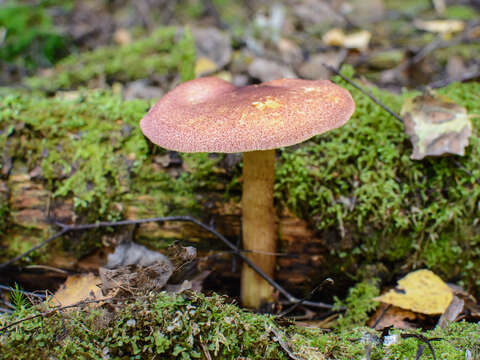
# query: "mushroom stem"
258,225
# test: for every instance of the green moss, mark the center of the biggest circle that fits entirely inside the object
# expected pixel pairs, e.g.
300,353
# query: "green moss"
462,12
358,304
190,8
18,245
230,12
454,341
185,56
4,213
160,53
153,325
442,253
77,142
190,325
359,181
30,39
90,147
408,6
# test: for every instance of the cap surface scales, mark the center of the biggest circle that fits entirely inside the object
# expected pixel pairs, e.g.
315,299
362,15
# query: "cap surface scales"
212,115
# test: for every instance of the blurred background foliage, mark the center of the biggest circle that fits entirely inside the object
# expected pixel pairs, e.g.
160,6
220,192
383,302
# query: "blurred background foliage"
28,37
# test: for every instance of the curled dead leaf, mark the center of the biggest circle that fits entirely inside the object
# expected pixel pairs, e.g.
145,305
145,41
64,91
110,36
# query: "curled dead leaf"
436,126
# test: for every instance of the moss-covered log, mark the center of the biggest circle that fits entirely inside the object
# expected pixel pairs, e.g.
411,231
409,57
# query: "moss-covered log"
357,197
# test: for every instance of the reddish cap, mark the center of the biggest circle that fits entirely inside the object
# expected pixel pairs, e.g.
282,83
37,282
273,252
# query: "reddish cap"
212,115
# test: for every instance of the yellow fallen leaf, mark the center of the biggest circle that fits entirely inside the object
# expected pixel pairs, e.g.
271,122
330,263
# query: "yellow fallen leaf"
224,75
420,291
440,26
334,37
204,66
436,125
358,40
78,288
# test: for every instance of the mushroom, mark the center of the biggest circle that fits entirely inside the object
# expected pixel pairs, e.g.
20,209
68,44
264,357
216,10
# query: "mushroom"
212,115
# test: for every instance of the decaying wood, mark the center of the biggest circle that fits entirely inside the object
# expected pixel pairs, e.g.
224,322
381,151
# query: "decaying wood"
32,207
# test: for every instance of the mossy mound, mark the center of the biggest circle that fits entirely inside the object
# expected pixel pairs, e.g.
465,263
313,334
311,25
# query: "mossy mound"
356,185
189,326
86,147
165,51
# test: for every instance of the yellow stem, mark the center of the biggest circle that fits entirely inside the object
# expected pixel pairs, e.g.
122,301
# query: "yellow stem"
258,225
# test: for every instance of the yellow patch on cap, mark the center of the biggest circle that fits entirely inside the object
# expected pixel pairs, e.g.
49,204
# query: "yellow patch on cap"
269,103
333,99
310,89
242,121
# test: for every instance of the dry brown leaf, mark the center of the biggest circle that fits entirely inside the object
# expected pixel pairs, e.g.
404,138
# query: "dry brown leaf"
78,288
436,126
387,315
420,291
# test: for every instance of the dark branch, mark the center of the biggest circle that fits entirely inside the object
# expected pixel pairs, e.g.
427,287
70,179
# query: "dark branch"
423,339
72,228
367,93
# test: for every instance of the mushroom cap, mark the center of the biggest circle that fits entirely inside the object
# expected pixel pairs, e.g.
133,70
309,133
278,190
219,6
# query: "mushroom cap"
212,115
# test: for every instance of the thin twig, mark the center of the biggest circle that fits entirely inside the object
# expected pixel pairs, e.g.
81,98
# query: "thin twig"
9,288
284,345
205,351
327,281
427,49
48,268
380,317
8,304
367,93
36,247
435,44
383,106
53,311
424,339
464,77
420,350
73,228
